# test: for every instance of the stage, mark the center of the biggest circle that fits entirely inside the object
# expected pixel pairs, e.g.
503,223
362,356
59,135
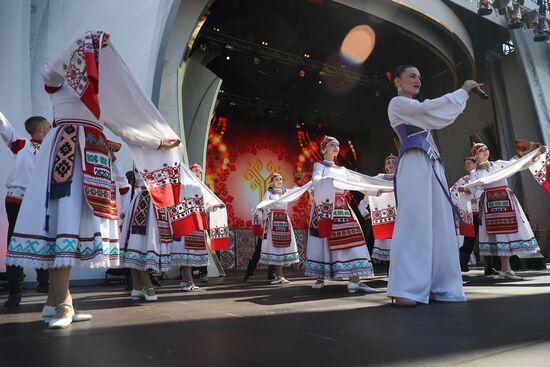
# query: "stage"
230,323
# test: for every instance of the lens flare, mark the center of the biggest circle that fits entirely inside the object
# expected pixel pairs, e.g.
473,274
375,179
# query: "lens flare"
358,44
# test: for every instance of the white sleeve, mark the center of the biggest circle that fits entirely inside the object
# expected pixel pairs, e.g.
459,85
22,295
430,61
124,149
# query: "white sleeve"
120,177
51,78
7,131
133,136
363,205
430,114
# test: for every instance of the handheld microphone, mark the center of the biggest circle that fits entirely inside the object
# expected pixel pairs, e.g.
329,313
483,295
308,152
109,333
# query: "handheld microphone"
480,93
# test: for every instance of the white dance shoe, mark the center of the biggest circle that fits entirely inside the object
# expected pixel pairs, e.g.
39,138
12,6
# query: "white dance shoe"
48,313
362,287
281,280
136,294
149,295
318,284
188,287
508,275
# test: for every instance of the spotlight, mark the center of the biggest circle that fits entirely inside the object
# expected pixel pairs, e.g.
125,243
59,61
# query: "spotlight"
502,6
514,22
228,58
203,46
301,73
541,30
483,8
531,19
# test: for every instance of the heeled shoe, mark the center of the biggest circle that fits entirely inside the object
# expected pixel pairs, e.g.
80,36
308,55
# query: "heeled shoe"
354,287
403,302
318,284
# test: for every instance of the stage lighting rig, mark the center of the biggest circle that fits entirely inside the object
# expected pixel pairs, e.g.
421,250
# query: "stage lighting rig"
502,6
531,19
542,30
514,19
484,7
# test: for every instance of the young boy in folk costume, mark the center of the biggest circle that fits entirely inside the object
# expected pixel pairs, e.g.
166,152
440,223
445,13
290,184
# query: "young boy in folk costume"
74,178
468,225
382,213
279,244
504,230
25,151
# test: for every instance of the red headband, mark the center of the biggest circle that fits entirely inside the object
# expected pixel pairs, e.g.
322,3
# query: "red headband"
476,147
326,140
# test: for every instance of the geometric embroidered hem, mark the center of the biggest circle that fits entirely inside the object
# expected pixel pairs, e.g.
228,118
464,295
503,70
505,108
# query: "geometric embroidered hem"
381,254
63,251
151,260
519,247
337,271
280,260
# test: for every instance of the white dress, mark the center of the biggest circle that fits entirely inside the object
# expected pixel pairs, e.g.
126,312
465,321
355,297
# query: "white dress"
519,241
53,233
271,253
323,262
424,261
141,246
382,214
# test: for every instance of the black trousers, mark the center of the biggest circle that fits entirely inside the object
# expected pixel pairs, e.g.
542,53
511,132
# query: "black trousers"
468,246
15,273
253,263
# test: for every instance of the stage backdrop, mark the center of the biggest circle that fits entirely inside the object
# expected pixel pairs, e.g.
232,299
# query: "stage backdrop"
241,156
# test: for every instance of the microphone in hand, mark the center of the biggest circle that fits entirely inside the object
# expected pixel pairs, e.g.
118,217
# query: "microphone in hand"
480,92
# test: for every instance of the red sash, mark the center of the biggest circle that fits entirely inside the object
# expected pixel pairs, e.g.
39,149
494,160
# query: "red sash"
500,214
280,229
346,232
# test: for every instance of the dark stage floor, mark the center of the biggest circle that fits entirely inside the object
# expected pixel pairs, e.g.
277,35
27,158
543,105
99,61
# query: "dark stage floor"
228,323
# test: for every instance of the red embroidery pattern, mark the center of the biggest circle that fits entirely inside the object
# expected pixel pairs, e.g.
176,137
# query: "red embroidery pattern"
165,232
500,215
280,229
64,159
195,241
139,221
97,178
346,232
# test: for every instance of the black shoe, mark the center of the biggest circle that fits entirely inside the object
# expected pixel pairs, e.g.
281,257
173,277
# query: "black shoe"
490,271
13,300
42,287
464,268
246,276
156,282
270,276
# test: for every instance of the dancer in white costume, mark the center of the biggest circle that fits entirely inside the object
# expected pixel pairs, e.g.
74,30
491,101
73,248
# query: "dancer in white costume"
73,174
194,247
336,248
279,243
382,212
504,230
424,258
